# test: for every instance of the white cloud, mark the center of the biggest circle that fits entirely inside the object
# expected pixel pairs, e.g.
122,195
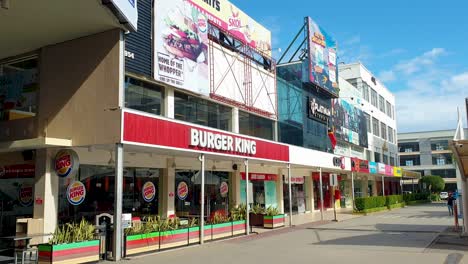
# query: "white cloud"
356,39
421,62
387,76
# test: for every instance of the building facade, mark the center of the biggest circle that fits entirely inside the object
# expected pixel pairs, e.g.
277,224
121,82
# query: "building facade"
428,153
181,118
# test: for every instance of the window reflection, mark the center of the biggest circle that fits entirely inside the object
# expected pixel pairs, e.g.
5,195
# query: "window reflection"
143,96
255,126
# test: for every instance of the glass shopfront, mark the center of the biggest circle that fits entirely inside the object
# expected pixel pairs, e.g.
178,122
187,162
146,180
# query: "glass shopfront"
140,192
188,193
326,189
262,189
255,126
297,194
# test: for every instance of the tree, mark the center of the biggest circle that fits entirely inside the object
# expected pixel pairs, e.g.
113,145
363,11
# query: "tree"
433,183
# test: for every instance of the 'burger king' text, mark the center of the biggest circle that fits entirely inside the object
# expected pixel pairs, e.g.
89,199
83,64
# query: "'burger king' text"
210,140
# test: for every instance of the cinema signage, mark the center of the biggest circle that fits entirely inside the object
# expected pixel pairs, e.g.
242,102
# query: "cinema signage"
318,111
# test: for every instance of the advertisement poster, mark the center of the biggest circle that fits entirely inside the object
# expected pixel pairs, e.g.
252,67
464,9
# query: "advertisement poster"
373,167
18,92
349,122
381,168
270,194
181,46
323,67
228,17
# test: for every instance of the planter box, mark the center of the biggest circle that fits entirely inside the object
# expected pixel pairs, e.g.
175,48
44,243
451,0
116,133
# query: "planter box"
174,238
141,243
273,221
79,252
255,219
238,227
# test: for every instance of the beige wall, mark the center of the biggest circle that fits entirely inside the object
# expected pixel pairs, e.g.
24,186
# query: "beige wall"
79,82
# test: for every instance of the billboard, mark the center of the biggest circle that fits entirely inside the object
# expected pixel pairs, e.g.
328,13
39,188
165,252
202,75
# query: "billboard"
181,46
322,64
350,123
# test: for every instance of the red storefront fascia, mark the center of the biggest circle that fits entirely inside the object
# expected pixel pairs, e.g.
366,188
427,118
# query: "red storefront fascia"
143,129
359,165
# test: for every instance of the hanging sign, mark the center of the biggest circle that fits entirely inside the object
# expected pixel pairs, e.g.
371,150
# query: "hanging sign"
76,193
223,189
66,163
148,191
182,190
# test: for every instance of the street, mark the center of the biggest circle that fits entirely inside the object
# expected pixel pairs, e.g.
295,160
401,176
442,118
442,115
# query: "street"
405,235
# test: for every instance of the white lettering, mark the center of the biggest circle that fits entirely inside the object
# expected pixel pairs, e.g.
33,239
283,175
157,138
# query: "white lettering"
210,140
253,148
230,144
224,142
238,145
217,141
194,139
203,139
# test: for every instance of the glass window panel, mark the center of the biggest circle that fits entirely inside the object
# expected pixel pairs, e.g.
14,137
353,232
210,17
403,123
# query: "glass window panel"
143,96
255,126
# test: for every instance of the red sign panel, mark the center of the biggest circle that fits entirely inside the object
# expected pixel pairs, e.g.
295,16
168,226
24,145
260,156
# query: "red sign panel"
159,132
260,176
359,165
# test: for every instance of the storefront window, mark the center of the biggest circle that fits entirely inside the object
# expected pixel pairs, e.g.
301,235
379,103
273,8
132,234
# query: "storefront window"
139,196
202,112
326,190
143,96
16,192
255,126
188,189
262,189
297,194
19,85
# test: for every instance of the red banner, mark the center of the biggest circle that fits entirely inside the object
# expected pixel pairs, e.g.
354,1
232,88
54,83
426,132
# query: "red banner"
160,132
260,176
359,165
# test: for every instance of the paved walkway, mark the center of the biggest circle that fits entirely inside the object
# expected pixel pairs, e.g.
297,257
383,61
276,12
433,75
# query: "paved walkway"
407,235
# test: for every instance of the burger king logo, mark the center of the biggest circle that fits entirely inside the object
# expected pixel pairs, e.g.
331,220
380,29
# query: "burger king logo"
224,189
182,190
148,191
66,163
76,193
25,195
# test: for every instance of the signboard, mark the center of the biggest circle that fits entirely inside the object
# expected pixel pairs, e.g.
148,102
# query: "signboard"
76,193
322,65
333,180
17,171
373,167
148,192
381,168
66,163
397,171
294,180
270,194
318,110
128,10
260,176
359,165
339,162
226,16
126,221
181,46
172,134
388,170
25,194
349,122
182,190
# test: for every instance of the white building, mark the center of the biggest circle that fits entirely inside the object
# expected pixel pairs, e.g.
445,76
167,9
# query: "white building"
378,103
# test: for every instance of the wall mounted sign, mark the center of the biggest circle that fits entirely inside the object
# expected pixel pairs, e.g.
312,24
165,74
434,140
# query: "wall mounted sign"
66,163
339,162
397,171
318,111
223,189
373,167
359,165
148,191
217,141
388,170
182,190
381,168
76,193
25,195
17,171
260,176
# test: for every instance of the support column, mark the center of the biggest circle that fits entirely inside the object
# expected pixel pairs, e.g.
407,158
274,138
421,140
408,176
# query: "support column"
383,186
352,190
168,186
412,184
309,189
364,186
279,191
202,207
290,194
321,194
275,131
247,224
235,120
118,196
235,192
46,187
169,102
374,187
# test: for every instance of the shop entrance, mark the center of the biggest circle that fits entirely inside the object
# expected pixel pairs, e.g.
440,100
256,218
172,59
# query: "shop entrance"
326,189
297,194
262,190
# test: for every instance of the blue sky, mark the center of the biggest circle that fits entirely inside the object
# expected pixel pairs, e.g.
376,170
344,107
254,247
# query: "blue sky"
419,49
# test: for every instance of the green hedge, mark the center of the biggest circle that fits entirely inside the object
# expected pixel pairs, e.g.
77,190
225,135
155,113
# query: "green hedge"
416,197
397,205
418,202
393,199
363,203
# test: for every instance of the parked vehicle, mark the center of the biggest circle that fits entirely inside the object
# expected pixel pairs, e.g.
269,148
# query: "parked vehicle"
443,195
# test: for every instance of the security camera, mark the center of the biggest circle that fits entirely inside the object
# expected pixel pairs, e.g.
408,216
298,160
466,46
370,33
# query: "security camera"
459,145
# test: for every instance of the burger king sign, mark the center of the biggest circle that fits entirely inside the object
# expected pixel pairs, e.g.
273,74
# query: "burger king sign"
66,163
25,194
148,192
76,193
182,190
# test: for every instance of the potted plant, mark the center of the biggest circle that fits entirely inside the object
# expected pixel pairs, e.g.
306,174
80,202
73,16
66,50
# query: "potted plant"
72,243
273,218
238,216
256,215
142,236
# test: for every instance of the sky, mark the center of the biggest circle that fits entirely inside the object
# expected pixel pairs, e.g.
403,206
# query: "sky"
418,49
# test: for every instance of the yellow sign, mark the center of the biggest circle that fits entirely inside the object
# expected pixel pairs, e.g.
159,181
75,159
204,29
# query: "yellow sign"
397,171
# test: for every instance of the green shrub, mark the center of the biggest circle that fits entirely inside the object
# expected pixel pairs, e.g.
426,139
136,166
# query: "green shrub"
364,203
393,199
435,197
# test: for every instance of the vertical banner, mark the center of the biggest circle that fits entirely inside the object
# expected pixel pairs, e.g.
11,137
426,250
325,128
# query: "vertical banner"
322,66
181,46
270,194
